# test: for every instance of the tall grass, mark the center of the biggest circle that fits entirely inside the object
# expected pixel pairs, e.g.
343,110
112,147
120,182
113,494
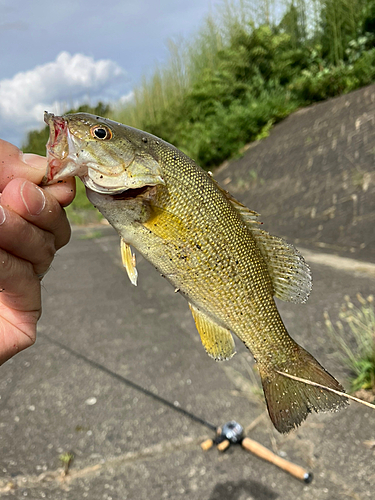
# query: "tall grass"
358,352
168,85
250,64
340,21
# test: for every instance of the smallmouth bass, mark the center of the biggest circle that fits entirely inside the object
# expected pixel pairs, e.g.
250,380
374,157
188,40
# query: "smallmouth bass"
205,243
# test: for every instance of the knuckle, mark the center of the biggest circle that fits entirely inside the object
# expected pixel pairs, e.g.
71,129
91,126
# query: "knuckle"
46,254
10,267
62,232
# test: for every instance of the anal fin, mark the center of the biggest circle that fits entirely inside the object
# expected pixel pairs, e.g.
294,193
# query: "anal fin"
217,341
128,261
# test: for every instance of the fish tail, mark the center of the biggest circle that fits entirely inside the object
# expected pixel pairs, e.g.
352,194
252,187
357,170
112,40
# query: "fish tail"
290,401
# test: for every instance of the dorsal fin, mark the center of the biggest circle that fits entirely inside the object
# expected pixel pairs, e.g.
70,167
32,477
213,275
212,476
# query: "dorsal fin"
290,275
217,341
248,216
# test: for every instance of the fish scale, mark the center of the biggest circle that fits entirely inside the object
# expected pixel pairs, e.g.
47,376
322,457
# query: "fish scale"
208,245
224,235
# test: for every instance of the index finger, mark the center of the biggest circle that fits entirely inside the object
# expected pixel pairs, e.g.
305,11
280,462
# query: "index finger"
14,163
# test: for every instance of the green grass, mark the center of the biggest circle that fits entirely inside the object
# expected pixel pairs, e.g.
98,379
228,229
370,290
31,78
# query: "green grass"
81,211
358,353
91,235
66,460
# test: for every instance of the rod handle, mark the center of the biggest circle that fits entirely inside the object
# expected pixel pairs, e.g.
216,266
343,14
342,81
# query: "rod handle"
263,452
206,445
223,445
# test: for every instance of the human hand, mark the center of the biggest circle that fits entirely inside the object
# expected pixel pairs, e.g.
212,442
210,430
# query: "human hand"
33,226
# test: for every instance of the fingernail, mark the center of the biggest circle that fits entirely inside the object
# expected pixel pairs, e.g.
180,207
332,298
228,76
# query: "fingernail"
33,198
35,161
2,215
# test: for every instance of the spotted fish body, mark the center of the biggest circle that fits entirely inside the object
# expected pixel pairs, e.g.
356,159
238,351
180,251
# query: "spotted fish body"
205,243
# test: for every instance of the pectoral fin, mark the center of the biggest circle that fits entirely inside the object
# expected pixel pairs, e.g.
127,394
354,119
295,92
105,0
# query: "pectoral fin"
217,341
128,261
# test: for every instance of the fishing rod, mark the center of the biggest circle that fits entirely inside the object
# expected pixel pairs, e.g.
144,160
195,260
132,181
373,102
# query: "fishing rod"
225,435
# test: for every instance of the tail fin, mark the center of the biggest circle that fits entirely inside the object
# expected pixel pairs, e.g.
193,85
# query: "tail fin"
288,401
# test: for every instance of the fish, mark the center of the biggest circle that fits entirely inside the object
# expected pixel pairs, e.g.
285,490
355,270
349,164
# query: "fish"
209,246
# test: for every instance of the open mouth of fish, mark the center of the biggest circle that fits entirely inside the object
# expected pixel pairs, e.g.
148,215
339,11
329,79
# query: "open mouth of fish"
66,158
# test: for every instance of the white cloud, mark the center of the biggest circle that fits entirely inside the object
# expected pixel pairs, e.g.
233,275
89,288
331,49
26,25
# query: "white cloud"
68,81
126,98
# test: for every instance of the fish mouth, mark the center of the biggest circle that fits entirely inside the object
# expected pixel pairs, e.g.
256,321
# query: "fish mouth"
122,193
58,128
145,192
133,193
61,151
67,157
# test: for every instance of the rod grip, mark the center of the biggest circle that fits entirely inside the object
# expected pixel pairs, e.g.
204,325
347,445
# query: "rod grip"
263,452
223,445
206,445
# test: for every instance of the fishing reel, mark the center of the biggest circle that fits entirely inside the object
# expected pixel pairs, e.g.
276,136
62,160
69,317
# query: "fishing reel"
232,433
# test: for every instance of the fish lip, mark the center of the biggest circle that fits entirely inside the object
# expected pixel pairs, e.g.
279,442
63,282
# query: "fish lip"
58,127
61,150
57,131
116,193
90,184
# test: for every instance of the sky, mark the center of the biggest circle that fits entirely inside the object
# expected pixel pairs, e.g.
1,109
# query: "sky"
55,54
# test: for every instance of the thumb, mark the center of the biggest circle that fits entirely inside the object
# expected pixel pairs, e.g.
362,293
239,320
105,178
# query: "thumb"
35,161
36,167
15,164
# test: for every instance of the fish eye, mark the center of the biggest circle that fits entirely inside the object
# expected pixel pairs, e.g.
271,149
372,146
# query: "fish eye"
101,132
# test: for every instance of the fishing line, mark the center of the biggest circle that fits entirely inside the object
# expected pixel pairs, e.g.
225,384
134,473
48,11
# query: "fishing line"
222,436
131,384
339,393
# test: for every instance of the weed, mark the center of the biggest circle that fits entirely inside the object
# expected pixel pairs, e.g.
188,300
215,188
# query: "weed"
66,459
265,131
360,320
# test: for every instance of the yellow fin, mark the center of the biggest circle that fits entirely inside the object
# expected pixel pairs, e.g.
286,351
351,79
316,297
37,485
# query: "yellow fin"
290,275
217,341
128,261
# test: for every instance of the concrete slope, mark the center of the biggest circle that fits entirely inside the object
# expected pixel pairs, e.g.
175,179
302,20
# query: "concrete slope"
313,179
